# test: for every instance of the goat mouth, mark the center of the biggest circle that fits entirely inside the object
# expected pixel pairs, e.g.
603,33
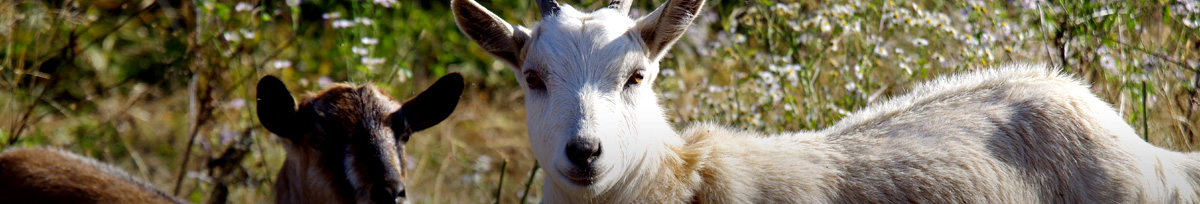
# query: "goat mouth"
580,176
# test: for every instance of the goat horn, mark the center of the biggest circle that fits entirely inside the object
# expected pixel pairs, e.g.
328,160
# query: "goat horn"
621,5
548,7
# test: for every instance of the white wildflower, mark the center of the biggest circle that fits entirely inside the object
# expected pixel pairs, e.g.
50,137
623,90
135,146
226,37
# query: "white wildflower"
858,73
1193,6
247,33
795,25
364,21
920,42
237,103
874,39
340,23
231,36
280,64
1108,63
854,27
987,38
768,77
403,74
483,163
359,50
668,72
331,15
243,6
369,41
1029,4
842,10
782,8
969,40
1190,23
385,3
882,52
372,61
907,68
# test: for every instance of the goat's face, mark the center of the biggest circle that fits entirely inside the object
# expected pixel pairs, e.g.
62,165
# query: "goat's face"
590,107
346,144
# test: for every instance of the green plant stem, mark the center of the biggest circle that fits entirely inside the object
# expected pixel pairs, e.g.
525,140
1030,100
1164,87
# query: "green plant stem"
529,182
500,187
1145,115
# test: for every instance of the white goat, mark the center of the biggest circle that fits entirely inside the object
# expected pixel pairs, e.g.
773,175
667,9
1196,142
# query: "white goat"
1017,134
1013,135
593,119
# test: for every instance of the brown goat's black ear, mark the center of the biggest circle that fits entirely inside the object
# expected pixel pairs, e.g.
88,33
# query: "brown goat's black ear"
276,107
431,106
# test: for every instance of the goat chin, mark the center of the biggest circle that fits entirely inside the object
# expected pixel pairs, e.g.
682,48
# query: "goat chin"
1014,134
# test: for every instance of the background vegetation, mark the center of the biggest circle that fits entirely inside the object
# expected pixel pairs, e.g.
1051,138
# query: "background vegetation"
164,88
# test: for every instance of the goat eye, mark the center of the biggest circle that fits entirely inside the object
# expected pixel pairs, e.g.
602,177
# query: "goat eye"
532,80
636,78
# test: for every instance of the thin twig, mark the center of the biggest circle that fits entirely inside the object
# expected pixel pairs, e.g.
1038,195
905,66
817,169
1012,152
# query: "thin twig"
21,124
1139,49
105,35
1042,28
202,97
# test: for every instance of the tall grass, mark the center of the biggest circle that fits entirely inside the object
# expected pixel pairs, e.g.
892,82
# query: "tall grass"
130,82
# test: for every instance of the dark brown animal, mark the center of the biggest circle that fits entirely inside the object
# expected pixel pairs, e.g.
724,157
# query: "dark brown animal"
346,143
48,175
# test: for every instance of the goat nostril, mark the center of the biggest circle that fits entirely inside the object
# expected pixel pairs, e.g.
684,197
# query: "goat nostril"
582,152
401,194
384,194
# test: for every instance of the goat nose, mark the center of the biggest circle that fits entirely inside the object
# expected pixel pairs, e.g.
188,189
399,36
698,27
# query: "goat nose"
582,152
386,194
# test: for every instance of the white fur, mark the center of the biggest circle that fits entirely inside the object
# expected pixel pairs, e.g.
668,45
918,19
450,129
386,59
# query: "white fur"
584,61
1017,134
585,96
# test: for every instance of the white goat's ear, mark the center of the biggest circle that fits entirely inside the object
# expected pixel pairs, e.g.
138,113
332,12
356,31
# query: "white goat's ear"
664,26
493,34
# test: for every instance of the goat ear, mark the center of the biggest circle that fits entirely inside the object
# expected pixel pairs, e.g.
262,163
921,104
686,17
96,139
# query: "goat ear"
664,26
493,34
431,106
276,107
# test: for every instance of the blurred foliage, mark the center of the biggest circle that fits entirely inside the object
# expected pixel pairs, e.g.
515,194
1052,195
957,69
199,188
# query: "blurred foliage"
131,82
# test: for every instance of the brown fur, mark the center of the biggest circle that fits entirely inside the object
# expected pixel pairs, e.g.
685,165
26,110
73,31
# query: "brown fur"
46,175
349,116
346,143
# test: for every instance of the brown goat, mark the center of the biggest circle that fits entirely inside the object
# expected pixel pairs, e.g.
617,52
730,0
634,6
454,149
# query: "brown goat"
48,175
346,143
